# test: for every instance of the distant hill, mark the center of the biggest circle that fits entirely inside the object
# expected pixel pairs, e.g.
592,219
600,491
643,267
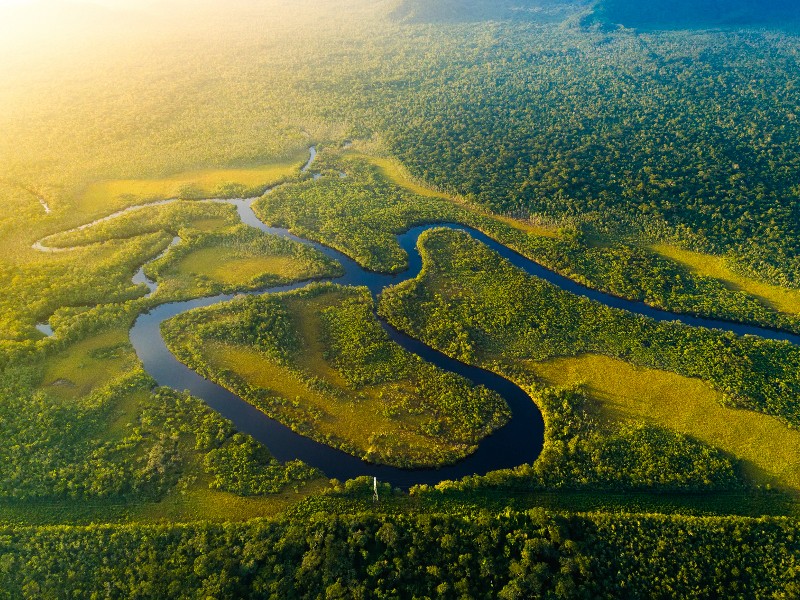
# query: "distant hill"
661,14
464,11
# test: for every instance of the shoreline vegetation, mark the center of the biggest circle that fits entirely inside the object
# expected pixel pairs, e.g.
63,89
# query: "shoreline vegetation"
318,361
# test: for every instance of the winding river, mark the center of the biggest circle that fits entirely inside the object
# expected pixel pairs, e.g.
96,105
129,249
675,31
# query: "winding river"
519,441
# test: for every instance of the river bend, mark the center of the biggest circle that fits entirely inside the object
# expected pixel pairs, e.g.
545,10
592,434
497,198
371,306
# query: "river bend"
518,442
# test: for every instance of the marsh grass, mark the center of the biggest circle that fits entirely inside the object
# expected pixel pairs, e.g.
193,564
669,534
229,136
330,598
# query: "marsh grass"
620,391
332,416
779,298
88,364
336,411
226,266
101,196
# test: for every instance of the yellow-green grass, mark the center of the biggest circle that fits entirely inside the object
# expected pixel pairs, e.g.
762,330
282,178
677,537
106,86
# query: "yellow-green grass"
102,196
781,299
195,502
212,224
216,268
355,418
75,372
393,170
619,391
226,265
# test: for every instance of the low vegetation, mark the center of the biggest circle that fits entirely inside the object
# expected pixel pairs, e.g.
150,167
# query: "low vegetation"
208,183
234,259
786,300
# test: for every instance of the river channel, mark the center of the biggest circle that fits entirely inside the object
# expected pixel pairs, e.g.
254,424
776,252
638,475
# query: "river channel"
518,442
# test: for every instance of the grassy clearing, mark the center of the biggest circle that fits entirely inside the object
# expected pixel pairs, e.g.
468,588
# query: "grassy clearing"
621,391
225,266
330,415
81,421
198,502
195,502
104,195
393,170
88,364
779,298
233,259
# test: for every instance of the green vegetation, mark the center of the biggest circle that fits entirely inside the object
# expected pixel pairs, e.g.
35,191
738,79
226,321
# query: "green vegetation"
596,129
360,214
237,258
472,305
318,361
779,298
580,452
621,392
85,424
167,218
595,151
478,555
207,183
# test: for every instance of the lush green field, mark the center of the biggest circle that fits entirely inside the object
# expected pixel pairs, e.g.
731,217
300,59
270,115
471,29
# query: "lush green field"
783,299
318,361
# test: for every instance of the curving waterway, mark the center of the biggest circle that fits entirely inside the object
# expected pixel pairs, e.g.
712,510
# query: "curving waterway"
518,442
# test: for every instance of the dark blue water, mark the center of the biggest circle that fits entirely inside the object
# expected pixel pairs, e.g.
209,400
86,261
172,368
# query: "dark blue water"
520,441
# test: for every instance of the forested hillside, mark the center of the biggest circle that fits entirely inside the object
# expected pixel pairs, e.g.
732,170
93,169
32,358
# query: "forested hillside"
659,14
